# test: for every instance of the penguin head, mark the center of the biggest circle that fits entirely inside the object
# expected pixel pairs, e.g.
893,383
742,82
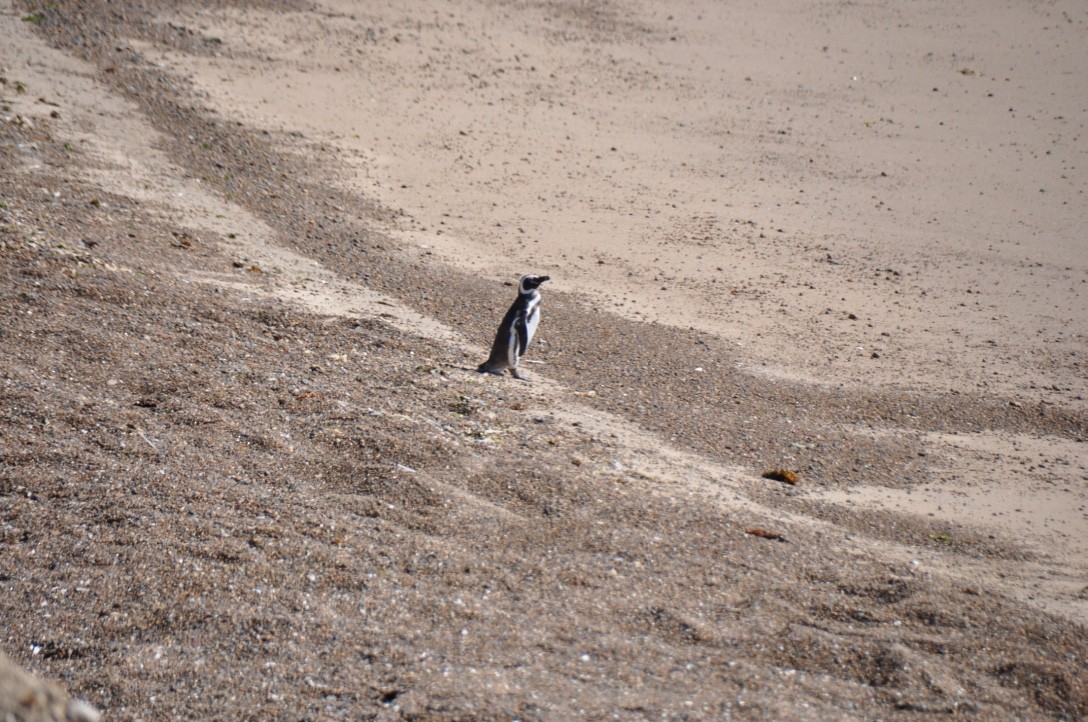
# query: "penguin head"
530,283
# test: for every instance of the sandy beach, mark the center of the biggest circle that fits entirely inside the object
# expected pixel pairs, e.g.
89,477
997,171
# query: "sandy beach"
252,252
759,175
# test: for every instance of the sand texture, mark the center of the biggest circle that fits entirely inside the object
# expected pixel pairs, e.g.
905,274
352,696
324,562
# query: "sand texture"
252,252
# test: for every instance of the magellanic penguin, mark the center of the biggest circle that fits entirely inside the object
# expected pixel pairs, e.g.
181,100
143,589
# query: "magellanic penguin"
516,330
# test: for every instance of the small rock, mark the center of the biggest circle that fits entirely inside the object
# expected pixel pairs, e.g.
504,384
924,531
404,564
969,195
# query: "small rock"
783,475
764,534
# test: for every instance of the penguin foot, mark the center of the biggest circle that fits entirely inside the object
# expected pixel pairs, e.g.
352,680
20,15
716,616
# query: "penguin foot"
486,368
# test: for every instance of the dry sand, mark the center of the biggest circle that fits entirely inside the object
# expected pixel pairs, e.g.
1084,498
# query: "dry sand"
846,240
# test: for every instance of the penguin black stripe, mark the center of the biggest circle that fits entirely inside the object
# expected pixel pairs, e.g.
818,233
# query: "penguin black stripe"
516,329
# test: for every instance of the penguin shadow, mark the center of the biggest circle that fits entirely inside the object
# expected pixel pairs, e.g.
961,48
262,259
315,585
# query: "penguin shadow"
477,371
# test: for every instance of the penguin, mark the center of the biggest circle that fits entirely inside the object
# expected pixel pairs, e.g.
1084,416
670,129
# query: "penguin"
516,330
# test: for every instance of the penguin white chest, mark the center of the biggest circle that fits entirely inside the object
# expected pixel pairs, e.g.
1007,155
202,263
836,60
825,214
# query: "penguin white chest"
532,320
524,328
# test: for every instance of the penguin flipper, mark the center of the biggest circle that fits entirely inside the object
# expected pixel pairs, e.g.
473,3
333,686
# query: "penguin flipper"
513,349
524,332
532,320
